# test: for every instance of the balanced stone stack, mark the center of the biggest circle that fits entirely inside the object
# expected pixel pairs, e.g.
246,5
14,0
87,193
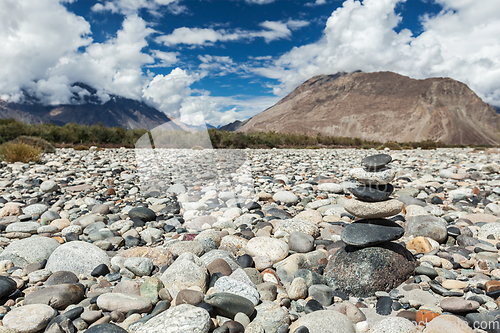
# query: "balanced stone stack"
370,261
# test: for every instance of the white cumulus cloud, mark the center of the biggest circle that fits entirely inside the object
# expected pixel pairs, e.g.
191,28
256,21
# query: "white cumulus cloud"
273,30
461,42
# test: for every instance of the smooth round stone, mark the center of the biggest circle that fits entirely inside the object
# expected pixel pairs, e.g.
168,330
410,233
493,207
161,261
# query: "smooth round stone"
371,232
384,306
228,305
29,250
139,266
300,242
372,193
48,186
290,225
7,286
143,213
427,226
182,318
454,284
324,321
272,317
123,303
297,289
77,257
242,319
285,197
423,270
274,248
220,265
102,209
351,311
330,187
29,318
233,327
188,296
373,210
105,328
35,209
458,305
48,217
323,294
363,271
61,277
444,322
58,296
375,162
245,261
100,270
24,227
380,177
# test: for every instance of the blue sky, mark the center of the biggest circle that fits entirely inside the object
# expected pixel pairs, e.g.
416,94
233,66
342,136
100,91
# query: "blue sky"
231,59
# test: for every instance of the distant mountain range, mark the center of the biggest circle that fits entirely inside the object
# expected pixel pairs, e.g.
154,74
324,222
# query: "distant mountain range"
118,111
381,106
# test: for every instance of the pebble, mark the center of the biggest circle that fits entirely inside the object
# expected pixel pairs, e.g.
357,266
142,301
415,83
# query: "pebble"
273,248
177,243
77,257
29,318
372,193
373,210
371,232
380,177
123,303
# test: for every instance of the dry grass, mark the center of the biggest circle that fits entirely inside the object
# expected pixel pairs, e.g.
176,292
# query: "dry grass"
19,152
81,147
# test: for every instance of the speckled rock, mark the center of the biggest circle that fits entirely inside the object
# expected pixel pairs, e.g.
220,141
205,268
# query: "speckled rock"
324,321
77,257
363,271
182,318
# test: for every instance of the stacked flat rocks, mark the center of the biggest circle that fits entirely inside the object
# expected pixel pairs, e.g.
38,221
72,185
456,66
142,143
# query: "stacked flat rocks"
369,252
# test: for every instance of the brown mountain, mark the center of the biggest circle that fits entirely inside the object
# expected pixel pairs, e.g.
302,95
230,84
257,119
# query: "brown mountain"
382,106
118,111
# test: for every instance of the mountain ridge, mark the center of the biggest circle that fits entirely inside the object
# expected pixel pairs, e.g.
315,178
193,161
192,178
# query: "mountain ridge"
382,106
87,110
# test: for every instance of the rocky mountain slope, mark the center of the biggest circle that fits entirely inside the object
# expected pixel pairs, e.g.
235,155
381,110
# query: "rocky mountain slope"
118,111
382,106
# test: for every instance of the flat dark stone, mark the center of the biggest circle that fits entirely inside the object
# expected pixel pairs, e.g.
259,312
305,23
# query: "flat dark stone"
100,270
61,277
143,213
375,162
372,193
313,305
371,232
245,261
228,305
423,270
384,306
106,328
7,286
278,213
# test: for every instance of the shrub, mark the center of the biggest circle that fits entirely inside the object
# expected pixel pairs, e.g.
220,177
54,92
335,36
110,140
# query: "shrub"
390,145
80,147
19,152
43,145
